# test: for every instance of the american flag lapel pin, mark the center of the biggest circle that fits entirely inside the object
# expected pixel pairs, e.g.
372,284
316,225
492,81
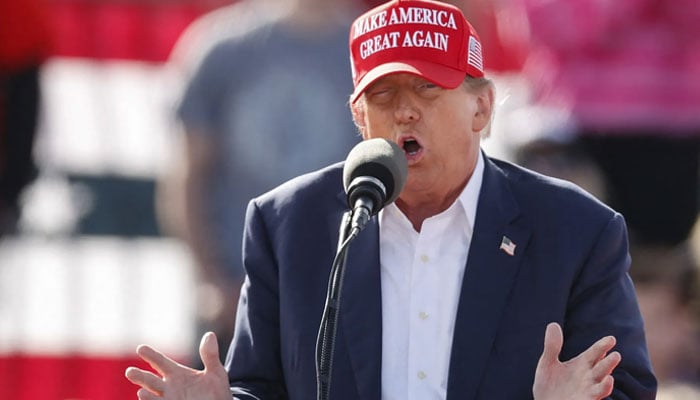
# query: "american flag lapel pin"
507,246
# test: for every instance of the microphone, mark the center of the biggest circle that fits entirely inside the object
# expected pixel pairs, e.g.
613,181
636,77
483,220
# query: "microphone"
374,174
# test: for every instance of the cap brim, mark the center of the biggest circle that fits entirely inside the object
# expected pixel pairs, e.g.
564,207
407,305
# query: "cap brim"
438,74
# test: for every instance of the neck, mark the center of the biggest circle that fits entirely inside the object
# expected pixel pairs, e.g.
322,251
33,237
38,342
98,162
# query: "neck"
418,209
419,205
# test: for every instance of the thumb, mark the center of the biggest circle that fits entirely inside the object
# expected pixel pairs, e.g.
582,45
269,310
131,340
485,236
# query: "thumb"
553,341
209,351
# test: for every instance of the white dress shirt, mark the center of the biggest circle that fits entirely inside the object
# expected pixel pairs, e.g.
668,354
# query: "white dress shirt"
421,278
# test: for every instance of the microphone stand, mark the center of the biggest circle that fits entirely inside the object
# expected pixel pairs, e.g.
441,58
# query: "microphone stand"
325,342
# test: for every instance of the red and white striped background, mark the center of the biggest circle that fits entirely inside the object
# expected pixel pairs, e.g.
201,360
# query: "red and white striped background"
73,308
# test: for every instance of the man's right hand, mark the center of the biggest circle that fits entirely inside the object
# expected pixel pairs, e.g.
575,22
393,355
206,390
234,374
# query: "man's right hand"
175,381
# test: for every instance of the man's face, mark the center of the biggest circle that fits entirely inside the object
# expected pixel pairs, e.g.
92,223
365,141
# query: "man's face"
437,128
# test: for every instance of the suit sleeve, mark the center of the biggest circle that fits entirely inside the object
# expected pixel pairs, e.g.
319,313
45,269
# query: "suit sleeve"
253,360
603,299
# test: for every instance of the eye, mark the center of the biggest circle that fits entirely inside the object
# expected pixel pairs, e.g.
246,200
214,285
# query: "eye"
427,89
379,93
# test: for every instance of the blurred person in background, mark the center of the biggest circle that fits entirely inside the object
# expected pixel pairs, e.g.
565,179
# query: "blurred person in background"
678,392
249,125
626,74
667,281
24,46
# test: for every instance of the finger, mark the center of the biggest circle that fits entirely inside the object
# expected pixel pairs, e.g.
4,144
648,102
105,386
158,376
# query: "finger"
604,388
157,360
209,351
553,341
606,366
146,379
598,350
144,394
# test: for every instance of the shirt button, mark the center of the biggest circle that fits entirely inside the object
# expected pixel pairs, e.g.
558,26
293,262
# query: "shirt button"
421,375
424,258
423,315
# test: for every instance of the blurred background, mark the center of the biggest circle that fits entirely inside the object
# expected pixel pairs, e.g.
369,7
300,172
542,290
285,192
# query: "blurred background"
131,134
86,273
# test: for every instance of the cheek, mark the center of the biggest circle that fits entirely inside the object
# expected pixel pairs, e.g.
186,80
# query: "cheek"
377,125
454,127
455,115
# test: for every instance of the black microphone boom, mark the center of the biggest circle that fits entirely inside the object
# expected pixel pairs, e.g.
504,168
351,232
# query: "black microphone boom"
373,176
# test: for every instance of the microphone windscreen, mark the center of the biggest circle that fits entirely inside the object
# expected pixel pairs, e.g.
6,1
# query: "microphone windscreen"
381,159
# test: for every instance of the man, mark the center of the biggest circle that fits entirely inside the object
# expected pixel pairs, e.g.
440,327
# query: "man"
448,292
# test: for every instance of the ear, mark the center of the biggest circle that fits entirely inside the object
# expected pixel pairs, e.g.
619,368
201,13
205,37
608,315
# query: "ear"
484,109
358,117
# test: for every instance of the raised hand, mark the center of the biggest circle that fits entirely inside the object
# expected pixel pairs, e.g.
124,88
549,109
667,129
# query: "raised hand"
175,381
584,377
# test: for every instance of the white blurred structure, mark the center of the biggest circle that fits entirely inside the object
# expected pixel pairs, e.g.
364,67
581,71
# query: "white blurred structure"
73,307
97,296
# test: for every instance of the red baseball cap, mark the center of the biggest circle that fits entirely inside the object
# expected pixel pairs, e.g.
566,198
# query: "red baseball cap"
423,37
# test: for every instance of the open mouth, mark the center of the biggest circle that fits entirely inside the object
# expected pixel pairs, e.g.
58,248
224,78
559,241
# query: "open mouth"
411,147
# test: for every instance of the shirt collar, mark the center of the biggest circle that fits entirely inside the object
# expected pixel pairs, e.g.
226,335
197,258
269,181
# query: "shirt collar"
469,198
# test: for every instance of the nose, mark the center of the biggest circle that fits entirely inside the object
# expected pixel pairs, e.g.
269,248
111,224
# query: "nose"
406,110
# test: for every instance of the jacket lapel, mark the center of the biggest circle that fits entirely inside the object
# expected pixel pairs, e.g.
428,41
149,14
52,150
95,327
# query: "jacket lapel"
488,278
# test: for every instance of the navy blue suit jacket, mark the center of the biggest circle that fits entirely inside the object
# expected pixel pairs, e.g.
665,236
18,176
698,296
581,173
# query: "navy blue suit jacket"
569,266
